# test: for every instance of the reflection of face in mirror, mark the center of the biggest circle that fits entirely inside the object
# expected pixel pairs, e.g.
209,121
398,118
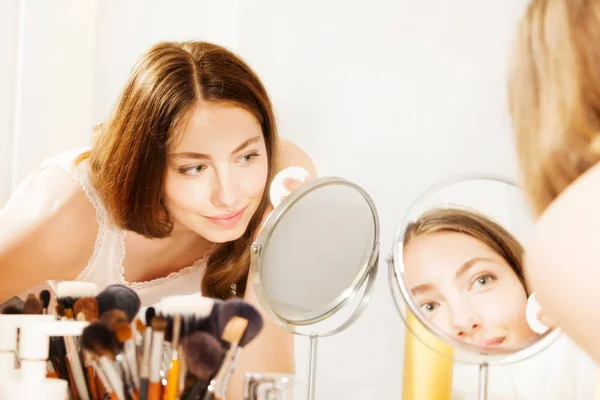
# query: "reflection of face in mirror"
465,274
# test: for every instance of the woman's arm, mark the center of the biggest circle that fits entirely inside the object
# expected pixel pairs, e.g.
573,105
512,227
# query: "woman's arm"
273,348
48,234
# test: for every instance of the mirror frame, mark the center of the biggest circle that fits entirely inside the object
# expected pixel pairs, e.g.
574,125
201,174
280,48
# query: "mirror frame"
367,273
463,352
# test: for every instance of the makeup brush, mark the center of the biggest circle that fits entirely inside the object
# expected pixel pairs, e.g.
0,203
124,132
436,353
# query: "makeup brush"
240,308
14,305
99,340
232,334
111,318
88,306
12,309
32,305
159,325
119,297
68,292
73,364
146,350
198,313
238,334
192,309
203,354
45,299
124,336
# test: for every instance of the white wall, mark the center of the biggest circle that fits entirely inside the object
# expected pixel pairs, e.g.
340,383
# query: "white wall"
392,94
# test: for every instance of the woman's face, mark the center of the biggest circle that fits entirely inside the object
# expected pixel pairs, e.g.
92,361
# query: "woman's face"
216,173
467,290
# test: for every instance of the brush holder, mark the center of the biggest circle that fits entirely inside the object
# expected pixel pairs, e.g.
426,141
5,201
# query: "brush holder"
268,386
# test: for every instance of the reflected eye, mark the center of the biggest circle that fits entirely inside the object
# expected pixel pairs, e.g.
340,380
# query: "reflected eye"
195,170
483,280
429,307
248,158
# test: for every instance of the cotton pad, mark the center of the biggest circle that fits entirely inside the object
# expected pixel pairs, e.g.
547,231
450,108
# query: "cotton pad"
531,312
278,190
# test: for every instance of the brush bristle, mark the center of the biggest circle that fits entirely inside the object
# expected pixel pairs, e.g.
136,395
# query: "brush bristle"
159,323
243,309
150,314
123,332
88,306
76,289
98,339
119,297
203,354
45,298
234,330
59,310
139,326
32,305
193,305
111,318
12,309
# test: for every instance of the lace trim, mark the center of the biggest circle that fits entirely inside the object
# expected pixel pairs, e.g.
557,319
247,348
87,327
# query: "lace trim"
101,218
120,269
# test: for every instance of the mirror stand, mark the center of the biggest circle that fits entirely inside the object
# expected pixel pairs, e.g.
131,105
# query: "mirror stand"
483,381
312,365
313,337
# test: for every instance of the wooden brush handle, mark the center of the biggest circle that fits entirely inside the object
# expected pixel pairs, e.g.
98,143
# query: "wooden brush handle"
91,378
154,391
72,387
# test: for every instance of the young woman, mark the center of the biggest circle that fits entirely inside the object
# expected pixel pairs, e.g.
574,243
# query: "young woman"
168,199
465,273
555,107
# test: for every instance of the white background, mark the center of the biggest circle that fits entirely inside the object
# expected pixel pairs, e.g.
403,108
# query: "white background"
392,94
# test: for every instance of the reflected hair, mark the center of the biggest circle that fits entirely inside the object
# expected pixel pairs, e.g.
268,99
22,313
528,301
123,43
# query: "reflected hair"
128,159
554,95
474,224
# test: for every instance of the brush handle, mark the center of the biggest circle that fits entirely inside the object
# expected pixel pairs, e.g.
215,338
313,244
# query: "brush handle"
76,368
108,389
112,377
145,362
154,390
173,379
236,357
228,363
130,356
144,388
92,382
156,352
71,380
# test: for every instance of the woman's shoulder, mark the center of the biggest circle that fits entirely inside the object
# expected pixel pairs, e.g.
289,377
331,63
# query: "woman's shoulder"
55,209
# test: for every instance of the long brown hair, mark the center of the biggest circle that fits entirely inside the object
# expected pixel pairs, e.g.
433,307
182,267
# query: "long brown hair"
129,157
554,94
474,224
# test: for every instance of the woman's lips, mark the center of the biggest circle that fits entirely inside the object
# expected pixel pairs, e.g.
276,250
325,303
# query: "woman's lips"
492,342
229,219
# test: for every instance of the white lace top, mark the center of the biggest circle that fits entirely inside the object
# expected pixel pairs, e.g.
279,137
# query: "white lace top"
105,266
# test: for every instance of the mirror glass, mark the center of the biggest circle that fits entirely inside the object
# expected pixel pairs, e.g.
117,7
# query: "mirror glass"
459,261
316,249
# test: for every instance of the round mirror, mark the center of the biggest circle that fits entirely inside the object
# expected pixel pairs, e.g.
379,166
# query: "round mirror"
316,252
456,272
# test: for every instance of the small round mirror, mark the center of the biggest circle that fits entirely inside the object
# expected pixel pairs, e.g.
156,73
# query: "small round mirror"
316,251
457,266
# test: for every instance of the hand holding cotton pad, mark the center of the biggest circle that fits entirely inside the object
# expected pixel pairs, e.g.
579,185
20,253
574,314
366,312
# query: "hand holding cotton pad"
531,312
278,190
